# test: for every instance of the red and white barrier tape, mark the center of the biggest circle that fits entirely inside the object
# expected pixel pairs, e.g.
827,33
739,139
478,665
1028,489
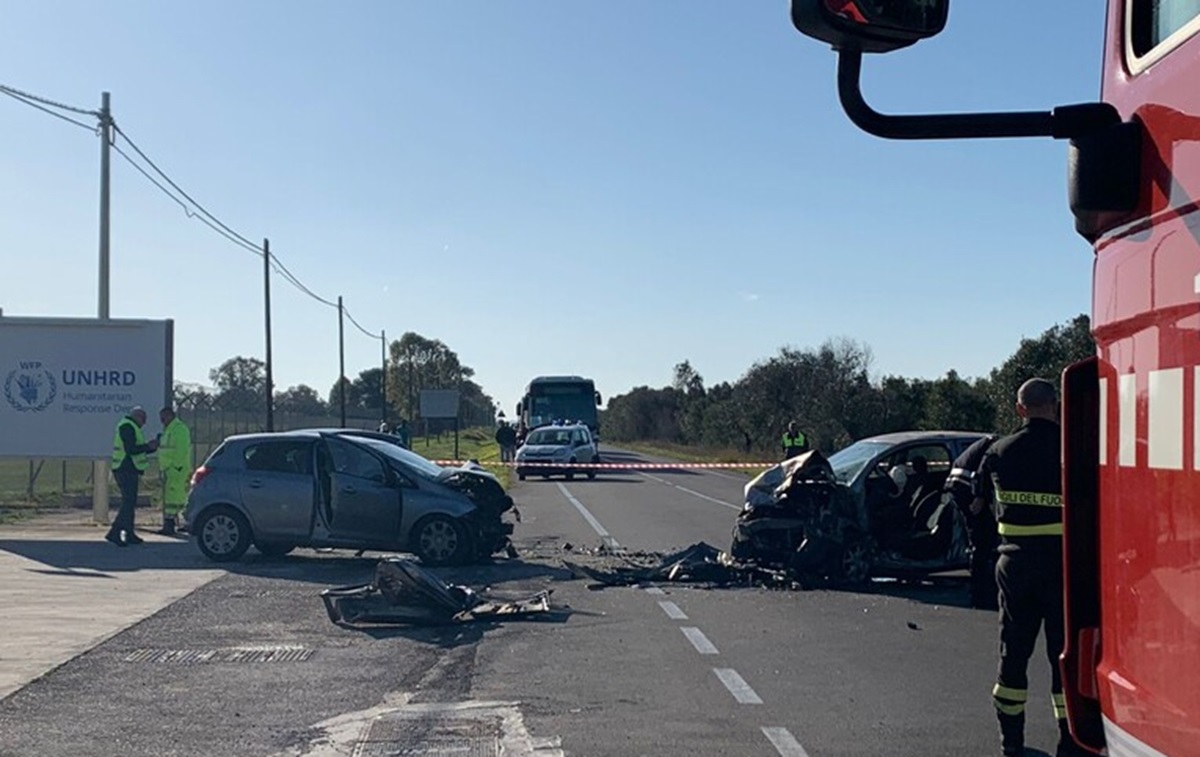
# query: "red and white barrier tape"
610,466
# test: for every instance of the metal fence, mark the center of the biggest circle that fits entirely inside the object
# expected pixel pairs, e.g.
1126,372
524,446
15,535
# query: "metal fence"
209,421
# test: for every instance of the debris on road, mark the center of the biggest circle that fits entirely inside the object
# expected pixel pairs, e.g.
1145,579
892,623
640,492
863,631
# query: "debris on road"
700,563
405,593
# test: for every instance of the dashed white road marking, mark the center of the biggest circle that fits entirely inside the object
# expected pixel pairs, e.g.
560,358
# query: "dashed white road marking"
784,742
608,539
699,640
672,610
737,686
692,492
722,502
654,590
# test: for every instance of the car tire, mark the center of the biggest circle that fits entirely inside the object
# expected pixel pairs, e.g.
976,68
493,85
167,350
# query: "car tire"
520,476
440,540
591,475
222,533
856,563
570,474
274,548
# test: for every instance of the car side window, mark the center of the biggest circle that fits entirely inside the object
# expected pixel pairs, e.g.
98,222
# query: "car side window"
284,456
352,460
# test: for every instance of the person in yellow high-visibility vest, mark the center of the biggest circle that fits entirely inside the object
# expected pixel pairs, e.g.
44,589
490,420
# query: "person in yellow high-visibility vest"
128,464
794,441
175,464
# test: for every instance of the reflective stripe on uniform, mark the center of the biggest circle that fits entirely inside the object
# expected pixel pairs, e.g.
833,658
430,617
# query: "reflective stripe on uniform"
1045,529
1008,700
1040,499
1060,706
1014,695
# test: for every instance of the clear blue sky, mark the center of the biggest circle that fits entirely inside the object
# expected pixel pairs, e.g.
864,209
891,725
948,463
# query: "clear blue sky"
602,188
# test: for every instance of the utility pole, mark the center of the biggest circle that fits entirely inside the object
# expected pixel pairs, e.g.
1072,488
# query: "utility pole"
100,467
266,256
383,414
341,361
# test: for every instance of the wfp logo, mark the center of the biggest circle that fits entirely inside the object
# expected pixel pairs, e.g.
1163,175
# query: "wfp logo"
30,387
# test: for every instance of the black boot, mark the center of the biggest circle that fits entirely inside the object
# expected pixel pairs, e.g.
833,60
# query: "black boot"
1012,734
168,526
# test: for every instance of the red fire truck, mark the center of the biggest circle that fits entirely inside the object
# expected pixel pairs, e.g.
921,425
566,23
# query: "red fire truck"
1131,415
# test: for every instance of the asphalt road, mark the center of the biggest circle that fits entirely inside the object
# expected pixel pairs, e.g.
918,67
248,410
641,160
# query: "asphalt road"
249,664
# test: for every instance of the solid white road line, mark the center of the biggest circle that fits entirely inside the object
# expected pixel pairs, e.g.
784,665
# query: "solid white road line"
608,539
672,610
784,742
699,640
737,686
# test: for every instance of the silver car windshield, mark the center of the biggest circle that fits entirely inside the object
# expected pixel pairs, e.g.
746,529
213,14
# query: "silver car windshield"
849,463
411,460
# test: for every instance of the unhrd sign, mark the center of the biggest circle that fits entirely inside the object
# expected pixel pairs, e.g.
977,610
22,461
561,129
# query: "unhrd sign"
66,382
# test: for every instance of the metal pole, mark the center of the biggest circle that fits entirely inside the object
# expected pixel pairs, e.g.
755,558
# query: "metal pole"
341,362
100,467
266,256
383,414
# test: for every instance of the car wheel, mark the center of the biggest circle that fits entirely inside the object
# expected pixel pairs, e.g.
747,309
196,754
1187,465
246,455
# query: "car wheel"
570,475
856,563
591,475
520,476
274,548
440,540
222,533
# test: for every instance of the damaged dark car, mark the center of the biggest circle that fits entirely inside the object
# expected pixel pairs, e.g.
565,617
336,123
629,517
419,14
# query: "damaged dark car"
875,508
319,488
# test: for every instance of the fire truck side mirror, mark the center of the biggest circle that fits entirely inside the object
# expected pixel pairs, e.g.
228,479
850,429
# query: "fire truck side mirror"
871,26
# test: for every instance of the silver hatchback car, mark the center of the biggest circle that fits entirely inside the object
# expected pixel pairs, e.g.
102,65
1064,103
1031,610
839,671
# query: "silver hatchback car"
318,488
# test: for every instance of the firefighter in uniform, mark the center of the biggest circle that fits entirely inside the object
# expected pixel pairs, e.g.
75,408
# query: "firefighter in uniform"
794,441
175,464
964,486
1023,474
128,464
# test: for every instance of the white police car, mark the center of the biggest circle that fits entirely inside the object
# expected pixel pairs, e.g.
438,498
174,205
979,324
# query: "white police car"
557,450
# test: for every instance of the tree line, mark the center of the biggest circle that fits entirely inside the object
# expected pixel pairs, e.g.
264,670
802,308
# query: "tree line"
830,393
414,363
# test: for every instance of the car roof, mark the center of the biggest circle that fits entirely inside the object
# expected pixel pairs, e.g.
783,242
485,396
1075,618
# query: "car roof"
902,437
306,433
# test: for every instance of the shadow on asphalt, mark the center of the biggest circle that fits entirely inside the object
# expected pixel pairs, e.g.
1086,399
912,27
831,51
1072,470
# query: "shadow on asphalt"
96,558
947,592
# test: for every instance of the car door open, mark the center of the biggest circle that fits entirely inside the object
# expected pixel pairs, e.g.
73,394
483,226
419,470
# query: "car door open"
363,503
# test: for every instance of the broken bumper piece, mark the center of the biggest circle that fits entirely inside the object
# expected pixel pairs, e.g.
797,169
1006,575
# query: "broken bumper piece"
405,593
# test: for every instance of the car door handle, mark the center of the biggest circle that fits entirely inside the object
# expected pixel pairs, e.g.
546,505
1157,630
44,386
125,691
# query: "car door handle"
348,490
255,484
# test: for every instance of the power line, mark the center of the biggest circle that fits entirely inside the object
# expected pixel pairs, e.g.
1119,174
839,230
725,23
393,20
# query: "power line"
291,278
208,218
20,97
187,210
179,189
44,101
359,326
